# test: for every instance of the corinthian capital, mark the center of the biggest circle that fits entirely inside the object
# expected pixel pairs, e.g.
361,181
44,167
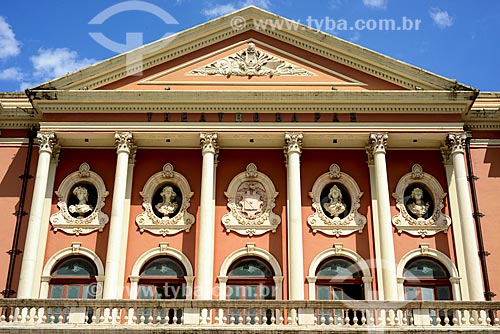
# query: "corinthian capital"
208,142
293,142
456,142
124,142
47,141
378,142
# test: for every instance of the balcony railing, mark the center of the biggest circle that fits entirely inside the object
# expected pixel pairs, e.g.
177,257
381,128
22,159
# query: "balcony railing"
132,316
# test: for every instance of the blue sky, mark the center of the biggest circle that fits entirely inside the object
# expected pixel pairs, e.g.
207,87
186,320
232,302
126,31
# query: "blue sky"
44,39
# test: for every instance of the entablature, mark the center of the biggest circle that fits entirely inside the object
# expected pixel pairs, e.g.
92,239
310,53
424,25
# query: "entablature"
255,135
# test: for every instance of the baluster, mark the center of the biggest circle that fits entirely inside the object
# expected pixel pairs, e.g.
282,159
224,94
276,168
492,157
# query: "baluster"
232,320
240,320
322,320
273,320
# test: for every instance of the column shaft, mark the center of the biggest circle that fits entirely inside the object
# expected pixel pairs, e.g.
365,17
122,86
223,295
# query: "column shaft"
295,247
206,247
114,256
30,253
456,143
385,238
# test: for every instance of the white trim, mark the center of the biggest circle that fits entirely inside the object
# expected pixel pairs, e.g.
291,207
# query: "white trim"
250,250
74,250
425,251
162,250
339,251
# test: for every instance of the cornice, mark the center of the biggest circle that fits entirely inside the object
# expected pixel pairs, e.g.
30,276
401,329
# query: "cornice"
219,29
172,127
253,101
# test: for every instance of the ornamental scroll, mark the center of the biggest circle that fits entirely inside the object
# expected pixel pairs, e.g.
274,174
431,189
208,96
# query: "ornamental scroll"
166,199
251,200
419,199
336,200
81,197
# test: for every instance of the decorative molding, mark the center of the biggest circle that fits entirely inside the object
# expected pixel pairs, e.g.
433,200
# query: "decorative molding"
124,142
85,215
326,218
456,142
293,142
250,199
208,142
175,217
251,62
378,142
413,207
47,141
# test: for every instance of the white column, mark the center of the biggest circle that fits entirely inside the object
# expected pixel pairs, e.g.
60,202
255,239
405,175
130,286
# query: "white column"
378,144
47,207
463,292
376,224
47,142
293,149
115,259
205,265
456,145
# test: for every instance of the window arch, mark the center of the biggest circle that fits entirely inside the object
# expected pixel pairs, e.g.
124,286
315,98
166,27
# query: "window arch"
162,278
438,258
73,277
338,278
250,278
426,279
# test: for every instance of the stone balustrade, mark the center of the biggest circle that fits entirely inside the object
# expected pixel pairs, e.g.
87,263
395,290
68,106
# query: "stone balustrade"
170,316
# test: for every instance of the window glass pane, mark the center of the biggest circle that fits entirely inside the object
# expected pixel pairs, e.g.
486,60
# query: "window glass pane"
411,293
323,293
443,293
251,292
57,291
339,267
163,267
267,292
89,291
160,292
78,267
425,268
338,294
233,292
251,268
427,293
146,292
73,291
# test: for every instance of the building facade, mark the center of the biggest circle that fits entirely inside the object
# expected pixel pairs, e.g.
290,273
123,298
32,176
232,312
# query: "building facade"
219,171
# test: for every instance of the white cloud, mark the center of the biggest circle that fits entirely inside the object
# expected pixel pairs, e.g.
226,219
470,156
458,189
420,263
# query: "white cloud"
9,46
53,63
11,74
441,18
380,4
219,10
264,4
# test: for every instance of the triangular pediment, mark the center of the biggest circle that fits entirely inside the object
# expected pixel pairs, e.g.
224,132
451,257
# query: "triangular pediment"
247,64
215,54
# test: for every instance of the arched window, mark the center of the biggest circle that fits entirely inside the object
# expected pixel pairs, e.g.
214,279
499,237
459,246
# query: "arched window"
162,278
338,279
72,278
426,279
250,278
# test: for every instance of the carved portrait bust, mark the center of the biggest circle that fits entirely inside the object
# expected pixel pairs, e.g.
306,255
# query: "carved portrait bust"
169,204
417,205
82,207
335,206
167,201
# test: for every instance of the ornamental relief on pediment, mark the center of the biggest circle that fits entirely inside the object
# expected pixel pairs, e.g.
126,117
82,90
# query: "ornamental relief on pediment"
336,200
420,201
166,199
251,200
81,196
251,62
